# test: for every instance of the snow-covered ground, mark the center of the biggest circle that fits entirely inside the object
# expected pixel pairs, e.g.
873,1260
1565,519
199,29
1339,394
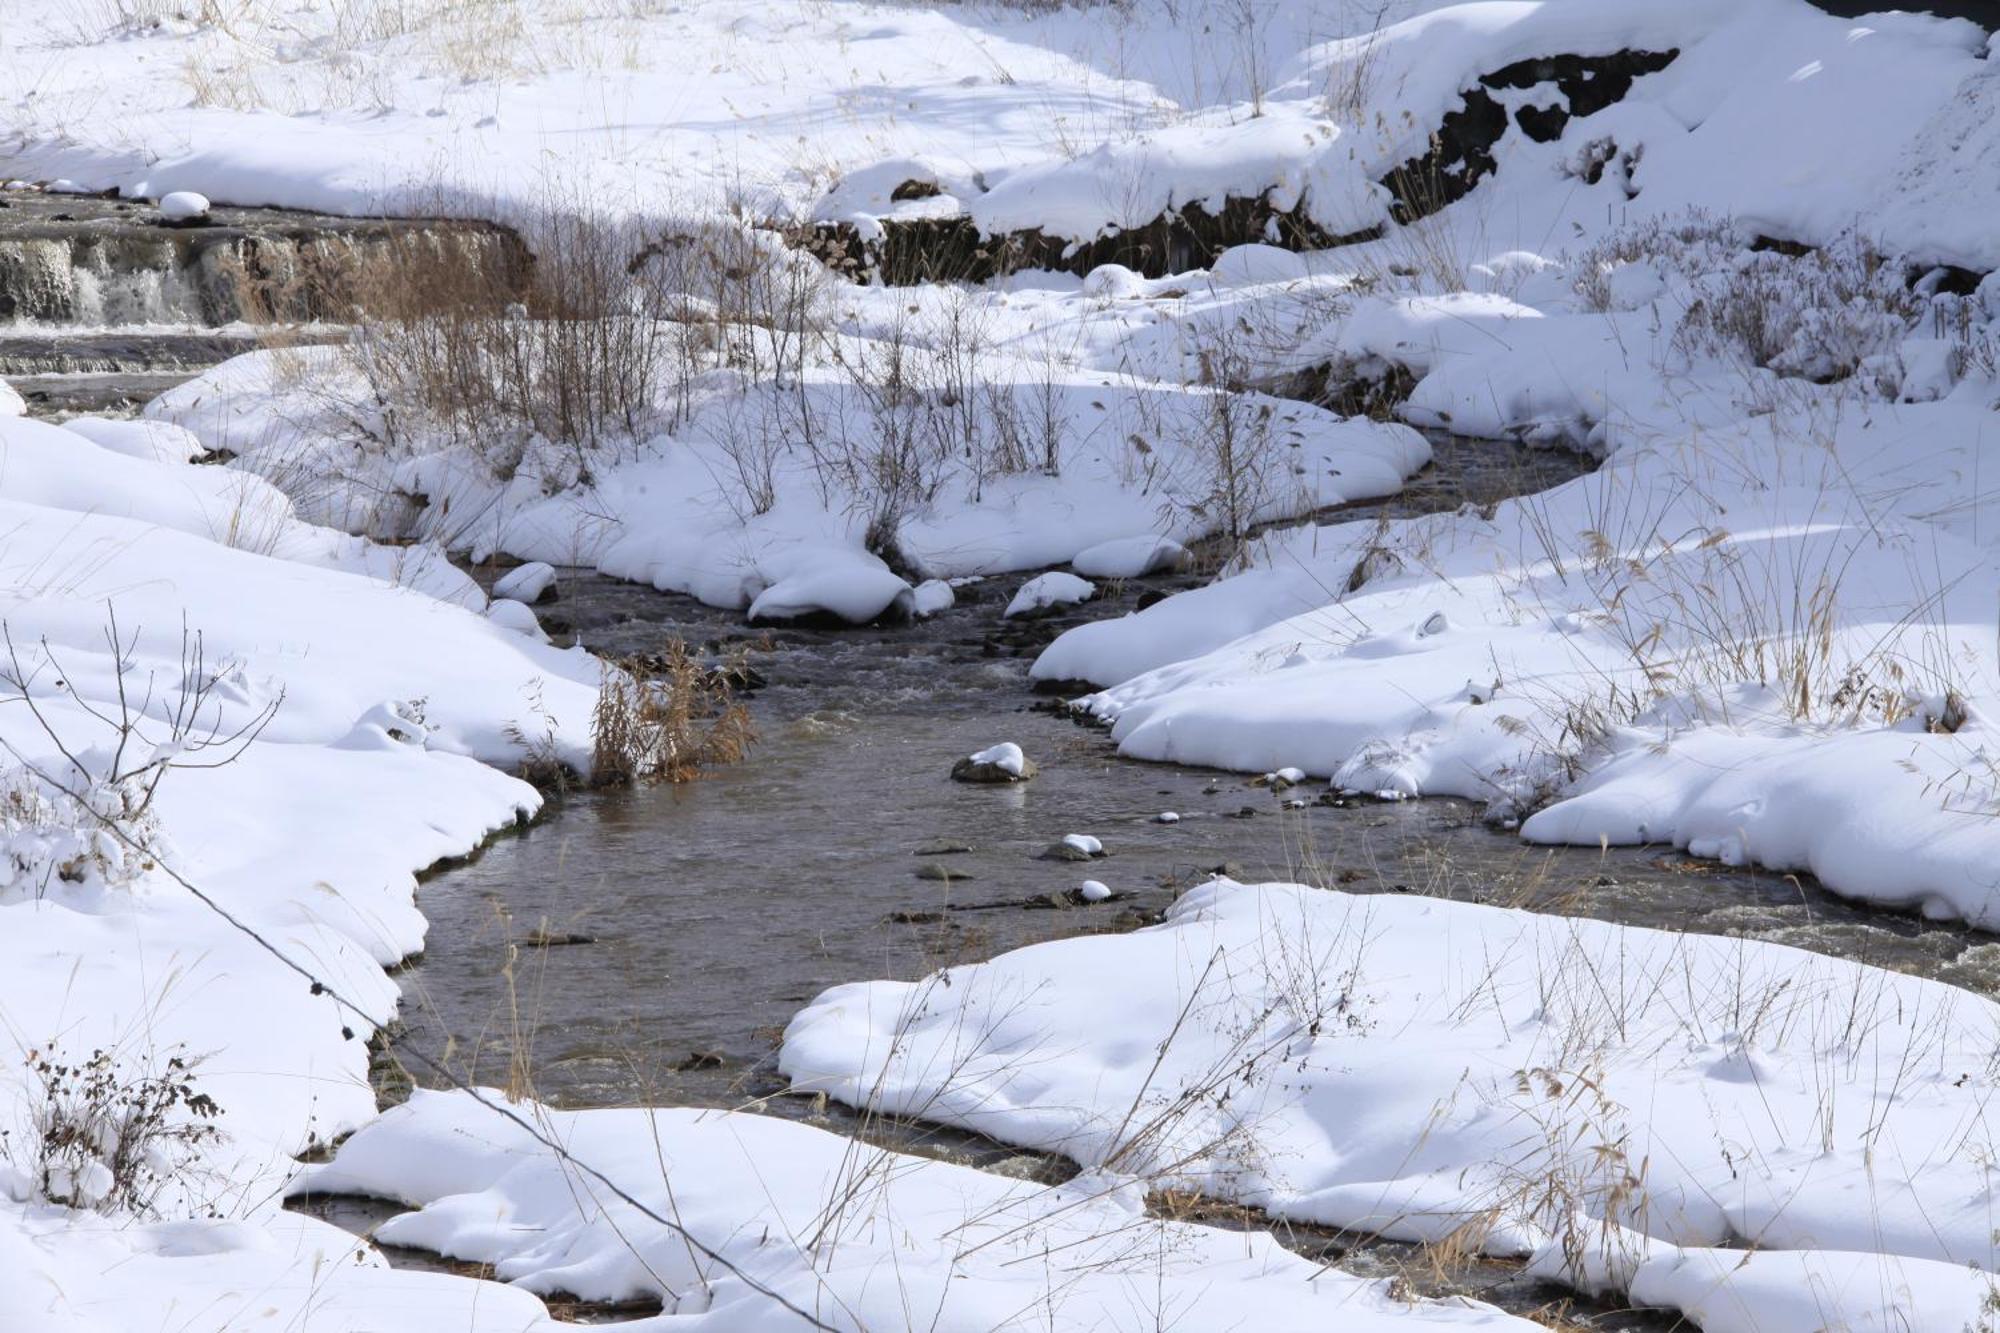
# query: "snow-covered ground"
1752,278
729,1219
1614,1102
231,739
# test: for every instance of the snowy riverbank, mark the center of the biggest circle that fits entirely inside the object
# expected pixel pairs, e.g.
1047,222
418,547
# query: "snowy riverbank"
1740,252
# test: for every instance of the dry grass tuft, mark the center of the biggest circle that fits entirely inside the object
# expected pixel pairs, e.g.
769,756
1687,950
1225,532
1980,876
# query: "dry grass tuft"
665,720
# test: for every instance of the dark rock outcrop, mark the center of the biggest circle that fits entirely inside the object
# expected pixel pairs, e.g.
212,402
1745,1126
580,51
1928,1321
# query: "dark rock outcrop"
952,249
1461,151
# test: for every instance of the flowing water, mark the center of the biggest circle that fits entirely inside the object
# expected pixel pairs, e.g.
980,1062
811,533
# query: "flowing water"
648,946
103,305
666,934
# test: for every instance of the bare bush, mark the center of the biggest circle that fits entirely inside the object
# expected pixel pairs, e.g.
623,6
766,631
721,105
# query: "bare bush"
101,1135
571,354
1824,315
1238,445
87,820
1691,243
1828,313
935,405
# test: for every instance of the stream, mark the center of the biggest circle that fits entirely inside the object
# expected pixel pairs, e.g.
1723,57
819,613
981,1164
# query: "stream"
647,946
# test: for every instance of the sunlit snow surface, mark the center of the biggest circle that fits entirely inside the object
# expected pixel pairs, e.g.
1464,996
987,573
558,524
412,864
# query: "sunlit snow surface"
1617,660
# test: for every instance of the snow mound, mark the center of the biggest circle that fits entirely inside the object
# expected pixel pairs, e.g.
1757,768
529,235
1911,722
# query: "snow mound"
853,585
184,206
1129,557
1046,591
966,1247
154,441
526,583
1405,1065
930,597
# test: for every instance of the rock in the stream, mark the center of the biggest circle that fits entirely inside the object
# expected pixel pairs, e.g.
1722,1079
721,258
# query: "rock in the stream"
1074,847
184,207
1050,590
943,847
697,1060
516,616
930,597
942,873
528,583
1093,891
1130,557
999,763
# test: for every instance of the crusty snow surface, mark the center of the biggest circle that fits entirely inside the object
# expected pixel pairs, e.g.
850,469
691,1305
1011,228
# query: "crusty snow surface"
1763,630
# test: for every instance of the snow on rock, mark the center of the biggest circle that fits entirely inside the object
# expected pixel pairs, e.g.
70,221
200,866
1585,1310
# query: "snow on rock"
1046,591
1093,891
1084,843
930,597
516,616
899,189
183,206
1292,156
1404,1065
855,586
789,1208
1130,558
1004,762
527,582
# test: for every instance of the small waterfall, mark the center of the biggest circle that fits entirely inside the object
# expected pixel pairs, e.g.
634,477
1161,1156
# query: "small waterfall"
88,266
103,306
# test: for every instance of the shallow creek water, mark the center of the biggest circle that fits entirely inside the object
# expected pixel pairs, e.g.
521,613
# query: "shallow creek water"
695,920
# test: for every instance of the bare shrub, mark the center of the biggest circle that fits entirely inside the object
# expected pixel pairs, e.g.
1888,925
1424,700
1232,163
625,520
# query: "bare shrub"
764,307
1352,78
573,354
103,1136
1691,243
87,820
665,720
1823,315
933,410
1828,313
1239,448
